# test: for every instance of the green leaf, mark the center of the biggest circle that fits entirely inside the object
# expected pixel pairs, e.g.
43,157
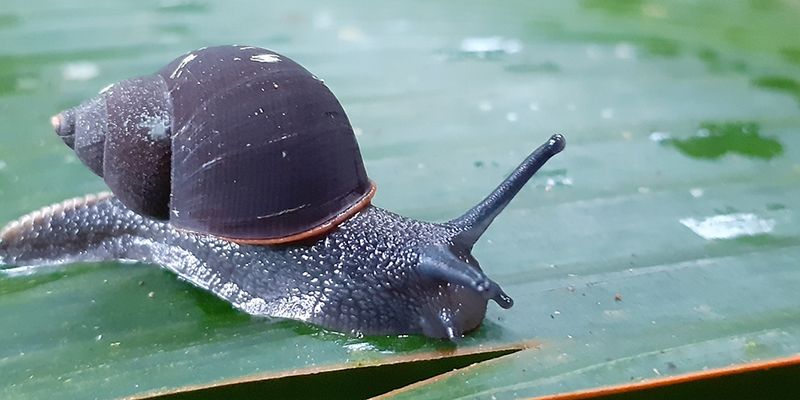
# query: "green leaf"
663,241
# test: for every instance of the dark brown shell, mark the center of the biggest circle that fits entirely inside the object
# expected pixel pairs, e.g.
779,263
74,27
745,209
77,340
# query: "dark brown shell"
261,150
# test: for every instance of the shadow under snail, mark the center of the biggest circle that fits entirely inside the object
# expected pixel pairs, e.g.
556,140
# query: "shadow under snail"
238,170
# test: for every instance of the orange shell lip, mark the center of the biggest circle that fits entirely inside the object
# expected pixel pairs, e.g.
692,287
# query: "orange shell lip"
318,230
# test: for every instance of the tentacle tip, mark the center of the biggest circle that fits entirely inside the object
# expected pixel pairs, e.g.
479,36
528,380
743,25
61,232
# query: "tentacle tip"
503,300
557,143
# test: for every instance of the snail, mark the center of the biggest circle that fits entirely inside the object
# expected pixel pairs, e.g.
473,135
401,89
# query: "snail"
238,170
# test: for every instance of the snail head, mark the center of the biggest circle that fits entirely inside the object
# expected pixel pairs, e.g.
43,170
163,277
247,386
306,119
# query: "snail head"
452,263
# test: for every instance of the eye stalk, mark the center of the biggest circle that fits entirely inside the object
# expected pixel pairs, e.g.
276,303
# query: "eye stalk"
475,221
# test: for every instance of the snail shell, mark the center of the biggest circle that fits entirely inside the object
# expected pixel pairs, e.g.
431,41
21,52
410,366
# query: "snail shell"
233,141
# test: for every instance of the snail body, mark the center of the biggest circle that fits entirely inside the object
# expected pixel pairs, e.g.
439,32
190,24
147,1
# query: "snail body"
269,210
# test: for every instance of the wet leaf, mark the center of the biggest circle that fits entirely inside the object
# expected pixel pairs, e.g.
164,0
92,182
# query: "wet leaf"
642,251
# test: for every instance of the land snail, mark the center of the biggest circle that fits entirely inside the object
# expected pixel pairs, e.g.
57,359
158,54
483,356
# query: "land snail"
237,169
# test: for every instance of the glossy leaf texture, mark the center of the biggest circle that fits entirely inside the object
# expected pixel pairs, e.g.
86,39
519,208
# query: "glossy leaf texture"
663,241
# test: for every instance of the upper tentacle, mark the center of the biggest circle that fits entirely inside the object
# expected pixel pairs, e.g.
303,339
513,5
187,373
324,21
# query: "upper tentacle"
476,220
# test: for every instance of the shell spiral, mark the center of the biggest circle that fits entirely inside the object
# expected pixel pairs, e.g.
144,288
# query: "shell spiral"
234,141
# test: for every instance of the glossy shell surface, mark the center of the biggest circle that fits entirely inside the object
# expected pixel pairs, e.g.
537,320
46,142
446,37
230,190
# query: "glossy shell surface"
234,141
